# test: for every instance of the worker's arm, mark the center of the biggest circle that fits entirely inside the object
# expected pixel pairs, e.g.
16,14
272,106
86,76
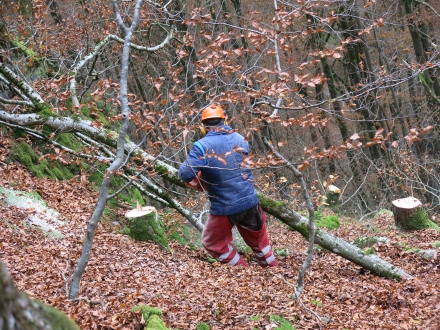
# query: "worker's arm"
197,183
190,170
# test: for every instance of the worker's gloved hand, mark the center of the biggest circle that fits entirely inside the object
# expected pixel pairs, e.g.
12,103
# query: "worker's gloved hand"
196,183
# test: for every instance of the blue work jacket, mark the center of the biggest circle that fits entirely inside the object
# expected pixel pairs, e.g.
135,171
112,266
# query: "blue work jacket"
219,156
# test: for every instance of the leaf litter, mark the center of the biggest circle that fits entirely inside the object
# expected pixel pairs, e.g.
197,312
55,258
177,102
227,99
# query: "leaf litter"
122,273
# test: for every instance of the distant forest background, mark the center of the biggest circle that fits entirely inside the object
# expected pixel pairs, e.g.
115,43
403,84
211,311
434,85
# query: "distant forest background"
347,91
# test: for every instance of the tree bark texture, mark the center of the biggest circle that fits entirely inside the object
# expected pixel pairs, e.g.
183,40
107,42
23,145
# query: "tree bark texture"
401,217
19,312
118,160
330,242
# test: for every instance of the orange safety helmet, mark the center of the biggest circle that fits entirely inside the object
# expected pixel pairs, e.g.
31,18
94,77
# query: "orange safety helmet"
213,111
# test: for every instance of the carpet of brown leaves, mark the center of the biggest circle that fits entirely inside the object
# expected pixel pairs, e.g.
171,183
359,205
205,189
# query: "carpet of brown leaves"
122,273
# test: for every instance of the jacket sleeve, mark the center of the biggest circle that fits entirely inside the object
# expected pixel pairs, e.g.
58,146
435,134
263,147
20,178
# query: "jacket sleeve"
193,164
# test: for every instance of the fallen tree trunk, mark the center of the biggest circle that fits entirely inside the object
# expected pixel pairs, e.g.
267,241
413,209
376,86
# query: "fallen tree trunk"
330,242
66,124
277,209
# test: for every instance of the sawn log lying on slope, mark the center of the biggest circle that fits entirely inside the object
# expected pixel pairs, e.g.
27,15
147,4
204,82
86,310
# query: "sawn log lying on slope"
330,242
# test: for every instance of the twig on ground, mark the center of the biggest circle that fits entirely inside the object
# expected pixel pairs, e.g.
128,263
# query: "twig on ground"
321,319
63,275
91,302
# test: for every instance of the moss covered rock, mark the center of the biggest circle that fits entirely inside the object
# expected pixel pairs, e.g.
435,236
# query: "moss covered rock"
44,218
151,316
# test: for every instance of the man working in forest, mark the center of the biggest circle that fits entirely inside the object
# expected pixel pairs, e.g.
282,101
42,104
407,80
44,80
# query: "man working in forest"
214,165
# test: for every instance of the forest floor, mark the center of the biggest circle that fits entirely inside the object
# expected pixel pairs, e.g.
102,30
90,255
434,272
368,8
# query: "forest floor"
123,273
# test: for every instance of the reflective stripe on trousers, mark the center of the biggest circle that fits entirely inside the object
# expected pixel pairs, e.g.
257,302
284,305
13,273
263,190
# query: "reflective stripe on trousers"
261,256
259,243
217,240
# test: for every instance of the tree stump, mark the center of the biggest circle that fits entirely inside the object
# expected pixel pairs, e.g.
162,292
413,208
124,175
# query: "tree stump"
408,215
332,197
144,224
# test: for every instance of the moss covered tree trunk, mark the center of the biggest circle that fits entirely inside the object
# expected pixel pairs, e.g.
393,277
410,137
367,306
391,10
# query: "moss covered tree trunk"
330,242
19,312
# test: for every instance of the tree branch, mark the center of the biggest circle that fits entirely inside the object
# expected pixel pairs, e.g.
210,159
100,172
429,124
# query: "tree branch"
119,159
311,223
37,101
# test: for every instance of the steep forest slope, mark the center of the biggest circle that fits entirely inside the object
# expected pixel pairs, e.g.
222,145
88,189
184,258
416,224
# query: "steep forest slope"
188,289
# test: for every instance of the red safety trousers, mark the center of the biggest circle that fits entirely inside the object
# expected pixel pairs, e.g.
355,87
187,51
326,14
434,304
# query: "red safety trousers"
217,240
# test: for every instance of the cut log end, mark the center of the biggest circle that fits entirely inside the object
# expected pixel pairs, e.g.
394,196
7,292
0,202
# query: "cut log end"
407,203
139,212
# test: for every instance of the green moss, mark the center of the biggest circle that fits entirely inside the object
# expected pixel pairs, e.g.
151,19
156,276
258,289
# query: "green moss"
365,241
436,244
303,229
369,251
148,228
155,323
282,252
178,231
269,203
332,200
58,320
211,260
319,248
25,8
405,247
282,323
163,169
95,173
202,326
412,249
391,274
69,140
180,235
134,198
151,316
131,195
25,155
147,311
330,222
420,221
44,110
239,244
18,133
95,114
